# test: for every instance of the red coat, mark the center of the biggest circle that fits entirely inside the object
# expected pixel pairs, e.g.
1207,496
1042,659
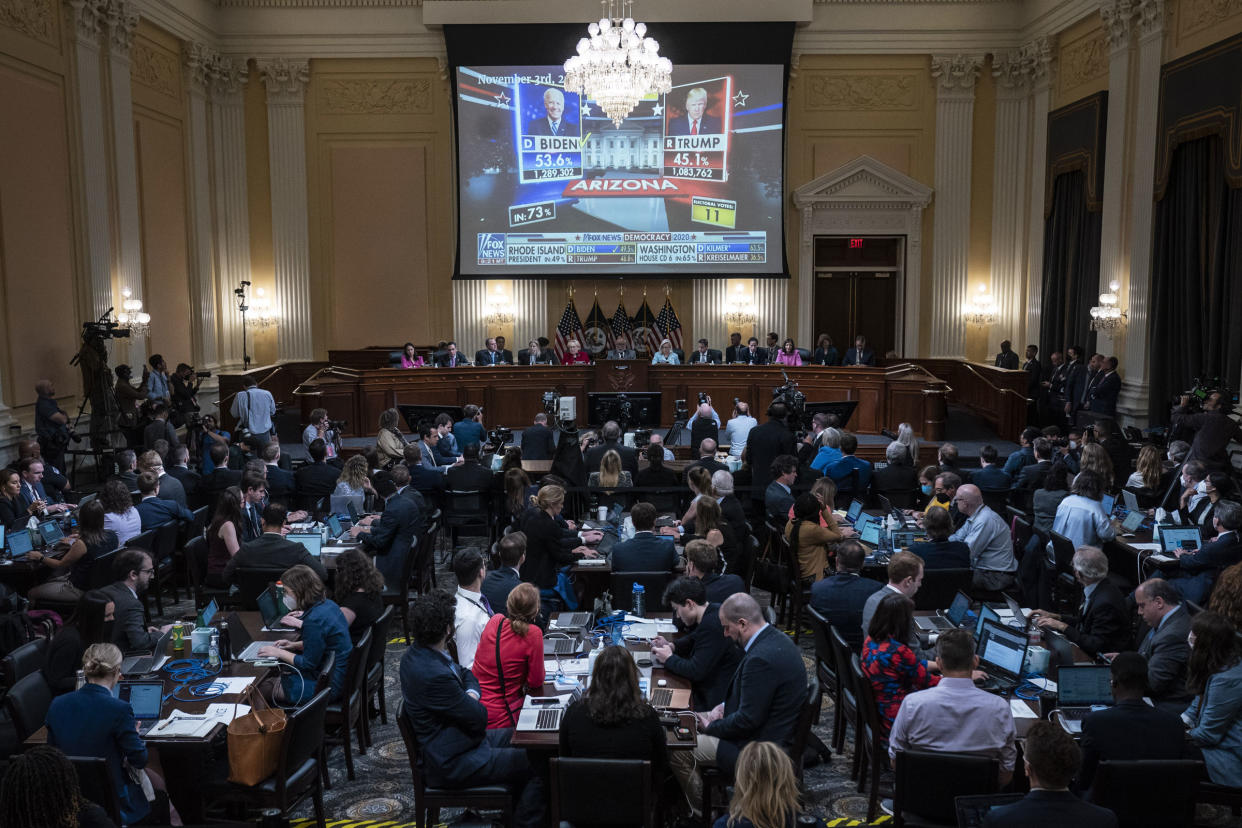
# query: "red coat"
522,660
581,357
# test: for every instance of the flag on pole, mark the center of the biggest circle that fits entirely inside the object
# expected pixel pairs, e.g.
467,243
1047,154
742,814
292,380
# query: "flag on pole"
646,340
668,325
570,327
598,332
621,324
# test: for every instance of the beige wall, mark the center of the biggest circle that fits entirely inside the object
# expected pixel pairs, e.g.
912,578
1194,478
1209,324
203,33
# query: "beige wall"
1082,62
982,168
1195,24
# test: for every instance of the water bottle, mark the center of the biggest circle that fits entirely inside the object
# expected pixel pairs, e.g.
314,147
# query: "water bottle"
638,600
81,680
225,649
213,651
593,657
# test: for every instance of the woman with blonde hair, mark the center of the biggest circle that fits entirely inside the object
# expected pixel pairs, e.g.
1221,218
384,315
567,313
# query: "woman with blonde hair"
1149,469
389,441
552,543
765,790
905,436
610,474
355,478
699,479
1095,458
509,660
665,355
575,355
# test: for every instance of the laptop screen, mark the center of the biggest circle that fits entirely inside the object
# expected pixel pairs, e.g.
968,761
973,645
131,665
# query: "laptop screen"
870,533
352,505
856,507
1002,649
208,613
959,608
1131,500
270,607
902,540
20,543
1083,686
145,697
50,531
986,614
334,526
311,541
1133,521
1108,502
1176,537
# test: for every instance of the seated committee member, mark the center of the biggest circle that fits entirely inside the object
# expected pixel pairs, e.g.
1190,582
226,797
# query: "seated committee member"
130,633
735,345
665,355
1214,674
271,550
410,357
894,670
860,354
1051,759
451,358
473,609
788,355
509,659
841,597
552,123
704,656
938,552
323,629
533,354
490,354
955,716
704,355
825,351
695,121
440,700
752,354
1103,621
538,441
646,551
762,701
621,349
574,355
499,582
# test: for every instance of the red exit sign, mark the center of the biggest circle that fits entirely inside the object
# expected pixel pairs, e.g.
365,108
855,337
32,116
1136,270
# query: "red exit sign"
856,244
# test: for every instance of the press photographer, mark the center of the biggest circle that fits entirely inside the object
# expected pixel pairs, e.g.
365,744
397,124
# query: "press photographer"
1204,412
322,428
185,383
255,409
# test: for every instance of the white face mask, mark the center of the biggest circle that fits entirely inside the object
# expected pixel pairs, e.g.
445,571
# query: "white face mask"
291,602
1201,487
1073,444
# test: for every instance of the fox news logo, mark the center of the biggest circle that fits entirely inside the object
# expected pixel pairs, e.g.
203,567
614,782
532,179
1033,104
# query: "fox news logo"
491,248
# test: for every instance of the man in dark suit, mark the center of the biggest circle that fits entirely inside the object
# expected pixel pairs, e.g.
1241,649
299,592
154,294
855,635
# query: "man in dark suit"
707,456
646,551
190,480
32,489
730,507
1197,570
401,479
778,498
505,353
428,482
470,475
860,354
1052,399
282,486
1007,358
1034,373
735,345
491,355
702,562
1032,475
1164,645
317,478
498,583
538,441
1102,401
704,355
703,656
1214,429
1051,759
611,432
129,632
1075,383
154,511
222,477
842,470
1131,728
170,487
990,477
765,443
762,701
752,354
553,122
271,550
841,597
440,700
938,552
1103,622
391,537
451,358
696,121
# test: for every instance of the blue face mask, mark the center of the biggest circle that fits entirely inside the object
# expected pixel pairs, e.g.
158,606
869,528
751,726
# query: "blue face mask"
927,489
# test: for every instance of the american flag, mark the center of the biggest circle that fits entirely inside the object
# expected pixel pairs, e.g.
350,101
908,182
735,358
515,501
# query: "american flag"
668,325
621,324
646,340
570,327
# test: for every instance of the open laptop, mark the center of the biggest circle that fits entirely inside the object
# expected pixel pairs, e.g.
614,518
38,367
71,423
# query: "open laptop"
20,543
348,505
50,532
1133,522
243,646
150,662
335,529
666,698
1002,652
869,534
541,714
904,539
1131,500
856,507
1019,617
986,614
949,619
208,613
311,541
1176,538
272,608
1108,502
557,646
1079,689
572,620
146,699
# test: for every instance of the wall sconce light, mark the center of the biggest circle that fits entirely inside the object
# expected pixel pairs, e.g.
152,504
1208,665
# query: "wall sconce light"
262,312
1108,316
982,311
132,315
500,311
739,310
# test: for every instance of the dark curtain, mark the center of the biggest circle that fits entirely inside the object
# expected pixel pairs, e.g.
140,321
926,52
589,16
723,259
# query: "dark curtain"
1071,267
1196,297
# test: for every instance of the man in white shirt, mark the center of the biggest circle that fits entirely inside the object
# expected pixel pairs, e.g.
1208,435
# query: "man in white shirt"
472,606
254,409
738,429
985,532
657,440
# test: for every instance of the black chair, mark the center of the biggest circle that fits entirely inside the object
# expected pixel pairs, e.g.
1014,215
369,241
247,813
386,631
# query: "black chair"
797,592
101,573
996,499
1148,792
323,678
297,772
348,712
27,702
847,490
940,586
419,567
870,739
826,666
578,798
1063,553
429,800
467,510
95,784
898,498
927,783
164,544
1212,794
375,667
23,661
621,585
251,583
847,697
802,735
196,575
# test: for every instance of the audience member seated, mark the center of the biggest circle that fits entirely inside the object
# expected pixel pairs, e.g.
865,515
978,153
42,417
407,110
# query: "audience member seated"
509,659
120,515
190,480
944,492
1218,488
610,474
1214,675
990,477
498,583
765,792
317,478
702,562
893,669
987,535
730,507
1023,456
1081,517
646,551
221,476
469,429
1148,471
71,572
611,432
1198,570
828,452
840,470
656,474
473,609
1130,729
170,487
703,656
947,457
152,510
905,576
272,550
1164,643
552,543
390,536
707,456
15,512
955,716
40,788
224,536
709,525
841,597
470,475
354,479
1033,475
762,702
538,441
91,623
778,498
699,481
938,552
808,538
440,700
324,629
126,470
899,476
1096,459
1045,501
1102,624
358,590
1051,759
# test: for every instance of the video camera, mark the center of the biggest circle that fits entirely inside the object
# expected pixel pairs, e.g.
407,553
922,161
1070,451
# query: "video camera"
1204,388
794,400
337,425
103,329
499,436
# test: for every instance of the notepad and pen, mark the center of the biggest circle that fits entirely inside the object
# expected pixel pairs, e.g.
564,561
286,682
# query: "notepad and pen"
182,725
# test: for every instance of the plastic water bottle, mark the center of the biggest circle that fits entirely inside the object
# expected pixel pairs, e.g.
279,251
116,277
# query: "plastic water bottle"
638,600
225,646
213,651
593,656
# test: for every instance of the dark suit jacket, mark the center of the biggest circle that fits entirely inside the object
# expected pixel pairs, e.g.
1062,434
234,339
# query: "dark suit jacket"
743,354
853,357
391,537
271,551
708,125
732,351
538,443
629,457
1039,809
171,489
191,482
706,658
840,598
777,502
719,587
1007,359
712,357
1104,394
549,546
895,477
425,480
449,724
826,356
1198,571
540,126
944,554
469,477
484,357
645,552
1032,475
1167,653
710,463
156,512
703,428
130,630
1105,626
497,585
1075,384
1131,729
443,360
316,479
221,478
281,484
13,514
763,698
734,515
544,357
991,478
764,444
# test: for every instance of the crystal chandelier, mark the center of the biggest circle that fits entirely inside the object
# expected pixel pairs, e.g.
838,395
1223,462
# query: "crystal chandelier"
617,66
262,313
1107,316
982,311
499,310
739,310
132,315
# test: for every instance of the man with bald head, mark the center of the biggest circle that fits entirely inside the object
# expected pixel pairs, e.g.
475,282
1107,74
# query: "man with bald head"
704,424
761,704
985,532
707,457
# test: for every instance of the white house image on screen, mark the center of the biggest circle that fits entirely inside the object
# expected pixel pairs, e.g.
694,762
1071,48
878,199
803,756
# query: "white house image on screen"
624,149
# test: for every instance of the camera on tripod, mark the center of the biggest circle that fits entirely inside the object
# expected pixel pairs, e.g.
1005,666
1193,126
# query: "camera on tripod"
104,329
680,410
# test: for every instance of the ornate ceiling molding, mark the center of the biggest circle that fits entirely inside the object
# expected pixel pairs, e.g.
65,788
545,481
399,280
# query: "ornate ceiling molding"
317,4
956,73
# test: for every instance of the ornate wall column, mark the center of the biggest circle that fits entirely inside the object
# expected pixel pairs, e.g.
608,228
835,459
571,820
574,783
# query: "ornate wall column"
231,210
1134,400
1117,16
199,68
530,312
1041,97
286,139
97,248
955,106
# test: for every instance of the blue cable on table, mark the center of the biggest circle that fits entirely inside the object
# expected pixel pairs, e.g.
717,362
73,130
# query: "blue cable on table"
186,671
